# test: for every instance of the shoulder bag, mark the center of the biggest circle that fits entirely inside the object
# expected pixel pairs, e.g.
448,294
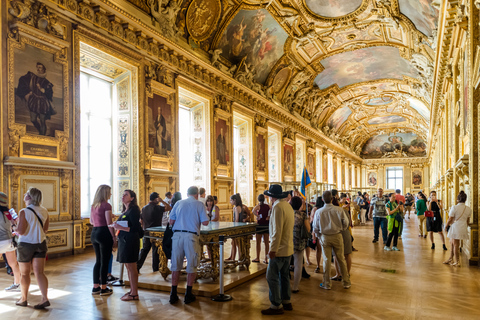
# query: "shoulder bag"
36,215
167,241
429,214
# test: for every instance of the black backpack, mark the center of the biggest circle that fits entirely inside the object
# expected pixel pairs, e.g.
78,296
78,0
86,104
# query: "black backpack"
167,241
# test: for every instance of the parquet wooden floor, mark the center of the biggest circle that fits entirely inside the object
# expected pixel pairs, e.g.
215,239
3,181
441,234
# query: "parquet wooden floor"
421,288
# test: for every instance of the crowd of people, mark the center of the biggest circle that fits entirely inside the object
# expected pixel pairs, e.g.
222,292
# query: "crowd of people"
290,230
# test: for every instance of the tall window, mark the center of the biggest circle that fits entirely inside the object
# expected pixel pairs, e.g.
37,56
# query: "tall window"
395,178
96,137
274,152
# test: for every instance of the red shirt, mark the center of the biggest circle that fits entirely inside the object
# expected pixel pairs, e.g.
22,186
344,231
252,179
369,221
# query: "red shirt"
97,215
399,198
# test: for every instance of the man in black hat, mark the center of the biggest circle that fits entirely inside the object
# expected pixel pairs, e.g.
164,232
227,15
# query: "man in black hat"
151,216
281,250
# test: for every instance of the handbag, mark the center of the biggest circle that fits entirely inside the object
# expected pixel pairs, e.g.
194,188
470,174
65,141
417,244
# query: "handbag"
304,234
429,214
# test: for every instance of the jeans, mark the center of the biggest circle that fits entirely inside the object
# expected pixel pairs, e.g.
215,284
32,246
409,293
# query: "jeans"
377,223
278,278
102,242
147,245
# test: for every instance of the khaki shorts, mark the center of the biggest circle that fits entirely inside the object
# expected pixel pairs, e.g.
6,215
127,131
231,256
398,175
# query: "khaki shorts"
26,252
6,246
185,245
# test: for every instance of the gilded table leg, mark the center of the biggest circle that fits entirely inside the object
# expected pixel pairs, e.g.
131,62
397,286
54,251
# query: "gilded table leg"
163,267
214,249
246,251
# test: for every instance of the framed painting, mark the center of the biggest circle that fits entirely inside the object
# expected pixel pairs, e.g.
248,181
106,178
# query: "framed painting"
325,168
311,166
221,142
417,178
38,95
261,152
372,179
288,163
161,124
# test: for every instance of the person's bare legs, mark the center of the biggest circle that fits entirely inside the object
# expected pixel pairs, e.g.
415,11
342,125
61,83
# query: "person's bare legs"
133,277
190,279
307,253
42,281
456,245
25,271
175,277
442,237
430,235
338,273
233,251
12,262
266,241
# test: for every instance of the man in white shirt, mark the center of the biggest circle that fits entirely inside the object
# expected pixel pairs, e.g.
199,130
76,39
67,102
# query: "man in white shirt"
282,220
328,224
168,198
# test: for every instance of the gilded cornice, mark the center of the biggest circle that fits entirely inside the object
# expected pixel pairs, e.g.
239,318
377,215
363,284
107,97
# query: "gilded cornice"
411,161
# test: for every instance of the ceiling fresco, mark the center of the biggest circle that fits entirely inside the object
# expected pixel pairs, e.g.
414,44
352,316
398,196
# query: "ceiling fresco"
421,13
392,145
366,64
333,8
256,36
386,120
353,69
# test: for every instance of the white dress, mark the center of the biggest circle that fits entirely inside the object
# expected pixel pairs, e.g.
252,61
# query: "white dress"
459,229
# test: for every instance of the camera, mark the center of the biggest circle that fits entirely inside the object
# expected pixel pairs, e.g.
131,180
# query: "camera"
400,203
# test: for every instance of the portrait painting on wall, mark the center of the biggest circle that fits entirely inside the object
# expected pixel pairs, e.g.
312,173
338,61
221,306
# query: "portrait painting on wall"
260,152
160,125
221,138
256,36
400,144
372,179
38,91
343,174
417,177
311,165
288,160
373,63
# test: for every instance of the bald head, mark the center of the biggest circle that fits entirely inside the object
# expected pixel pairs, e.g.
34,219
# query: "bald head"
327,196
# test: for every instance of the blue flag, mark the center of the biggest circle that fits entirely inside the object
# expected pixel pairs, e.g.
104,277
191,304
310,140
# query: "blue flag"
305,182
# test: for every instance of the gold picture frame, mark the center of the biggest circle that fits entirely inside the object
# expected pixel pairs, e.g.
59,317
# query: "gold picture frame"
35,124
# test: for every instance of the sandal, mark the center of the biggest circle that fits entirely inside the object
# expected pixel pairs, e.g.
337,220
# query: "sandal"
317,270
256,260
265,261
21,304
449,261
129,297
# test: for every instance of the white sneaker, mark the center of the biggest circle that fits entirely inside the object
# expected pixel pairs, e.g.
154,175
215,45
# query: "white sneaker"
14,288
395,249
387,248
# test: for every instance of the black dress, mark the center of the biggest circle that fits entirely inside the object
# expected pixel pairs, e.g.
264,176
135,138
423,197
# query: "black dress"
129,242
435,224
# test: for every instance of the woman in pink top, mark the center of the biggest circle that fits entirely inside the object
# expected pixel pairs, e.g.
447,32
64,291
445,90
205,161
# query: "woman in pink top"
103,239
262,212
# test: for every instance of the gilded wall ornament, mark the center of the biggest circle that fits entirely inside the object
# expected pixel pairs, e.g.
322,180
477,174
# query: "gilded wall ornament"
202,17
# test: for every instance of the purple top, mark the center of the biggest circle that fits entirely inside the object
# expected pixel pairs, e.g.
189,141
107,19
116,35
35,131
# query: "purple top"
97,215
263,211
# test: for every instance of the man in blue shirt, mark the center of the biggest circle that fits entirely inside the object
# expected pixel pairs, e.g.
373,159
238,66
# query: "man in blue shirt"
186,217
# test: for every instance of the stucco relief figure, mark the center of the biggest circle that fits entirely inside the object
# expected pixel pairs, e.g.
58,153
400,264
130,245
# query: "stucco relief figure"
288,160
260,153
37,93
221,142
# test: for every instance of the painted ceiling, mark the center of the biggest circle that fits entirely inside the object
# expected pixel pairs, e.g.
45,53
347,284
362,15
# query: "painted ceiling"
354,69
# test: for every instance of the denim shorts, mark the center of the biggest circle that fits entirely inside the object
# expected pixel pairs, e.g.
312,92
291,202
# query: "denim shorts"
26,252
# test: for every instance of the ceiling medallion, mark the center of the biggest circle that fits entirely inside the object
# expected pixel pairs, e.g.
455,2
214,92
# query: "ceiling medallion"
281,79
202,17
